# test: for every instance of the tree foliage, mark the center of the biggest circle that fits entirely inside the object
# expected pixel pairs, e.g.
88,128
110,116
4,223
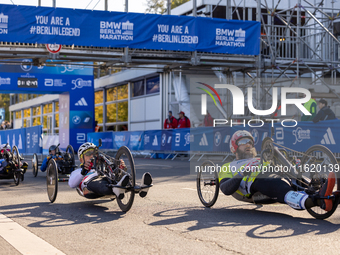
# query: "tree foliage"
160,6
4,103
156,6
175,3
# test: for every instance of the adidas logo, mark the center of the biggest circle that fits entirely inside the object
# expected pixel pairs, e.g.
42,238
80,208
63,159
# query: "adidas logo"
81,102
204,141
155,142
328,137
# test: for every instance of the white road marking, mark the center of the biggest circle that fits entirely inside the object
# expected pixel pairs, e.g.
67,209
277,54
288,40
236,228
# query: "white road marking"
23,240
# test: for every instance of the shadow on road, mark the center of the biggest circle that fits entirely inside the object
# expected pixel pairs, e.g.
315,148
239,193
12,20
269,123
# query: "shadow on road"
266,225
56,215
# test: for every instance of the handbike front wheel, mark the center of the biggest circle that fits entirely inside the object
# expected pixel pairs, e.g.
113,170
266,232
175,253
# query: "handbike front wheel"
320,161
207,183
52,180
125,154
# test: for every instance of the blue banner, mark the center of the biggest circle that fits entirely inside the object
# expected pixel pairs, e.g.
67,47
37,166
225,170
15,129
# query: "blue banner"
181,139
136,140
152,140
28,24
307,133
34,140
107,139
28,140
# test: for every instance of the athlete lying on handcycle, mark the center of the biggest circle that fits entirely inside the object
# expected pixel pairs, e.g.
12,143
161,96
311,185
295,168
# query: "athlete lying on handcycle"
241,183
90,185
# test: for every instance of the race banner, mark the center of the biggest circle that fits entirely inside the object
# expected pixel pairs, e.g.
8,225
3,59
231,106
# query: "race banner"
26,24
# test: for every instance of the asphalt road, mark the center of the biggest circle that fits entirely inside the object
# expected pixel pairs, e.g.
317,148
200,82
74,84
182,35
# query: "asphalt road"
170,220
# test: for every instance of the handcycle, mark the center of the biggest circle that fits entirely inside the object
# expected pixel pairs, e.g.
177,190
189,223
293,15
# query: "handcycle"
309,176
108,167
14,169
65,163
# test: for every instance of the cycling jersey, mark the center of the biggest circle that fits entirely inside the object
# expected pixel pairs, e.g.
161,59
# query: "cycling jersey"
237,167
80,182
44,163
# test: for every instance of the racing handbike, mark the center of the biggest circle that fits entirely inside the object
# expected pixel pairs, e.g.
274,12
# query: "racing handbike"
15,169
308,176
109,168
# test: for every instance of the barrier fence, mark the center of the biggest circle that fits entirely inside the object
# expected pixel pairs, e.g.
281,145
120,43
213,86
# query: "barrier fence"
196,140
28,140
216,139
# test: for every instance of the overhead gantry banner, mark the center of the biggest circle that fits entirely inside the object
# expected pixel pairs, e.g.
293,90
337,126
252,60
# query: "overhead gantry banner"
27,24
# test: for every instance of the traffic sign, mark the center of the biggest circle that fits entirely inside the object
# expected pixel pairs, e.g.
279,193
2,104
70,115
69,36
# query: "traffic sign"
53,48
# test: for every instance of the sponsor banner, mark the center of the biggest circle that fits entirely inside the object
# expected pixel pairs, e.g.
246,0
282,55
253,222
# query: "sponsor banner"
153,140
298,138
181,139
81,119
120,139
221,139
202,139
307,133
107,139
34,139
260,133
166,140
136,140
46,25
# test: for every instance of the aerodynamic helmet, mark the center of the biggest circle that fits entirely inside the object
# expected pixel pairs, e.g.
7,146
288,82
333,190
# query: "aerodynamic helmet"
236,137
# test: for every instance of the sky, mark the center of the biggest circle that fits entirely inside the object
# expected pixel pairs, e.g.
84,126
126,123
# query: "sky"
114,5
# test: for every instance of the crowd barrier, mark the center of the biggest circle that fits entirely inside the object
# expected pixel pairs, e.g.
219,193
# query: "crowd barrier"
28,140
209,139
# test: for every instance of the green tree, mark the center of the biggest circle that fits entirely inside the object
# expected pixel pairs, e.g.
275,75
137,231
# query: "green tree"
175,3
4,103
156,6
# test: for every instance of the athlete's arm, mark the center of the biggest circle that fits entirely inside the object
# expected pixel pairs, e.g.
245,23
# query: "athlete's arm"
230,185
75,178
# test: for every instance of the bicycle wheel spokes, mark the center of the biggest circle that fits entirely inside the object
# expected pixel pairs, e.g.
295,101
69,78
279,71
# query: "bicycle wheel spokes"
321,162
207,184
129,169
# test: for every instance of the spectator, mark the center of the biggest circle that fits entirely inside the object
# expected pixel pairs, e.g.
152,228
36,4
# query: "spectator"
311,108
96,127
170,122
325,112
208,120
183,121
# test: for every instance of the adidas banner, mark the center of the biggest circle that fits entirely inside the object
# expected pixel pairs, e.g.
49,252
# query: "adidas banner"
208,139
307,134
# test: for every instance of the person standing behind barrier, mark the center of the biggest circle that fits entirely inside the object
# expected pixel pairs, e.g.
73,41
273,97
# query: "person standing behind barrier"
183,121
311,108
325,112
170,122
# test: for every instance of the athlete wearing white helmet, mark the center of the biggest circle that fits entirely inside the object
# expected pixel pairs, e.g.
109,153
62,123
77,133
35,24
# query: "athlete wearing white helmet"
243,177
5,147
89,184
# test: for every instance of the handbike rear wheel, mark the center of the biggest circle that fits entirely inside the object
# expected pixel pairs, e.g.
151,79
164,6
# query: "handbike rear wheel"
52,180
207,184
319,157
16,177
70,150
35,165
125,154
